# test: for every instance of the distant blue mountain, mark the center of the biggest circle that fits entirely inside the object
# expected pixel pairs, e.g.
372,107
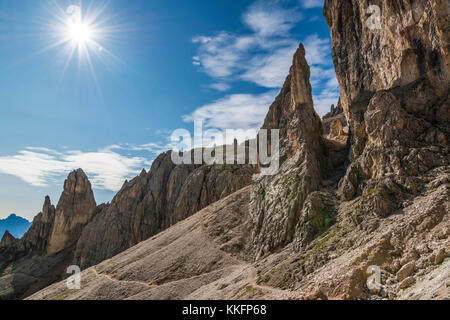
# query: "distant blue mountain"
16,225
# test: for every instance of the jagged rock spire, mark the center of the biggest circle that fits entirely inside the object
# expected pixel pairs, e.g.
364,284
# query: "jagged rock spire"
37,237
278,200
75,209
7,240
293,110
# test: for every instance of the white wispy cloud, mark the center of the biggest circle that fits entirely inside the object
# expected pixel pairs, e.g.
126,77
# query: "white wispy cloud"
235,111
325,98
309,4
106,168
270,70
323,77
264,55
220,86
261,56
154,147
218,56
268,19
317,50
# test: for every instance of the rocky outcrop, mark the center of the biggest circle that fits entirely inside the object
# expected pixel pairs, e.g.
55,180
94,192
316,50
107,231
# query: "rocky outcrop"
37,238
334,111
75,209
42,255
394,92
7,240
153,202
409,48
335,114
198,258
337,131
277,200
394,84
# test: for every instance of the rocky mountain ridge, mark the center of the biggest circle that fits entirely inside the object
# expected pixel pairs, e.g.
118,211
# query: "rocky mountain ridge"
373,198
154,201
15,225
81,233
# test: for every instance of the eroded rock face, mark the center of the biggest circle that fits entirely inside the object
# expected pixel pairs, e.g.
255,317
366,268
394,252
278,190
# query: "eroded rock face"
317,216
278,200
75,209
411,47
42,255
7,240
335,114
337,130
79,232
154,201
394,90
35,240
38,236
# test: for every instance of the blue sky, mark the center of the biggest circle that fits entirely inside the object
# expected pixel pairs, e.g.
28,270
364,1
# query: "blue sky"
155,67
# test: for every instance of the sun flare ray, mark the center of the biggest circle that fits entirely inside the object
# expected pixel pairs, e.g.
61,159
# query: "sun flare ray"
81,33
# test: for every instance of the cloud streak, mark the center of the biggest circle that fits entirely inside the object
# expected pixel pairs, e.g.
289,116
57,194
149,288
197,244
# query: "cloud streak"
235,111
323,77
40,167
309,4
267,19
263,56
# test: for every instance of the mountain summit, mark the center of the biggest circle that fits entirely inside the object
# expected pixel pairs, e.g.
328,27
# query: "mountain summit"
75,209
17,226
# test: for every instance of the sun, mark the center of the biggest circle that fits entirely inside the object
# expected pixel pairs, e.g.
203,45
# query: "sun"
79,29
85,33
79,33
82,33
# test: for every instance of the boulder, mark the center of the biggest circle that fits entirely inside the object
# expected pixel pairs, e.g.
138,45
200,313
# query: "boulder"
406,271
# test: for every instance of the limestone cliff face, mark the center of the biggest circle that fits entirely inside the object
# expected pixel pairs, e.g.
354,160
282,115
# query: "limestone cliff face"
394,84
410,46
277,200
75,209
154,201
